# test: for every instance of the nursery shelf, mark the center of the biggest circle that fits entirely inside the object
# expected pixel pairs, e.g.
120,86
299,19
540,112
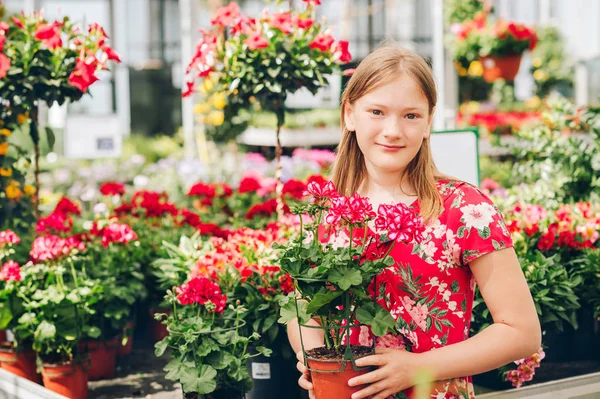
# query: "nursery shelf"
14,387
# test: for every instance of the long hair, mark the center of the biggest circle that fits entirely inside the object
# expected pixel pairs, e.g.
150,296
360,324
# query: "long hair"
379,68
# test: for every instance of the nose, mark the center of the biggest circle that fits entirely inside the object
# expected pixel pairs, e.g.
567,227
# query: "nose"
392,129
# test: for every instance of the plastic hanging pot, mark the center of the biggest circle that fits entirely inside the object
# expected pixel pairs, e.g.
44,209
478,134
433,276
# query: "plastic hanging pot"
103,358
495,68
126,340
21,363
69,380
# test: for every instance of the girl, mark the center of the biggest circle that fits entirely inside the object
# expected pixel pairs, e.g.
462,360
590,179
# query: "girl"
384,154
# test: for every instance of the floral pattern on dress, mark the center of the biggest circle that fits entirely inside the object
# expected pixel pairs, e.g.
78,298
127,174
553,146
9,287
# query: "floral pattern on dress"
430,288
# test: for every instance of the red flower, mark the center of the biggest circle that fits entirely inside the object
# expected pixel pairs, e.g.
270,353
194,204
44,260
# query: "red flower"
295,188
189,217
117,232
489,184
349,71
189,89
202,190
224,190
400,223
320,189
66,206
4,64
83,76
315,2
111,53
54,223
266,209
287,284
322,42
530,230
547,241
18,22
226,16
53,247
248,184
111,188
256,40
8,237
201,290
338,211
49,35
96,29
282,21
243,25
303,23
341,48
360,209
211,229
2,40
10,271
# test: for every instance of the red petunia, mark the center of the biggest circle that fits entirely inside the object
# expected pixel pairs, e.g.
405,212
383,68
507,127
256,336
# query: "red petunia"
112,188
84,74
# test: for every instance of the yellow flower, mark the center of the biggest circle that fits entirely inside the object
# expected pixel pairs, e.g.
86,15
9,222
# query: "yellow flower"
3,148
475,69
537,62
218,100
29,189
5,132
208,85
5,172
533,102
202,108
216,118
22,118
540,75
462,71
13,192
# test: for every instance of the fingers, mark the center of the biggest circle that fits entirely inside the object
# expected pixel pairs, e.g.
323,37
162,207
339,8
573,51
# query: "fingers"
373,360
301,368
367,378
368,391
304,383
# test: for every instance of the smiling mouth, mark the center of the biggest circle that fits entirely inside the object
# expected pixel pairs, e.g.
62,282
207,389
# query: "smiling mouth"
390,147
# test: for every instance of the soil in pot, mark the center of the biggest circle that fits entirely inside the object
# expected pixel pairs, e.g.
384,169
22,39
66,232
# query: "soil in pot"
325,365
21,363
67,378
103,357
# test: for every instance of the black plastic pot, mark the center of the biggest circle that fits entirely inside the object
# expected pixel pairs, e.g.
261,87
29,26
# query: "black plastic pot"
273,377
585,343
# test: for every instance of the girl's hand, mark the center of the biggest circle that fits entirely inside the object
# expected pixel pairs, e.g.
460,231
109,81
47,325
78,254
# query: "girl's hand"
304,380
395,373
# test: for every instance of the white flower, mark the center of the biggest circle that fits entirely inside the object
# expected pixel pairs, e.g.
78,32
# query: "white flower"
436,340
478,216
452,305
437,228
434,282
446,296
460,314
428,249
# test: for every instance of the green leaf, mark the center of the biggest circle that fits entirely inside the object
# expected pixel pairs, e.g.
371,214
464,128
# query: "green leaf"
94,332
201,380
160,347
288,312
321,299
377,317
485,233
51,138
345,277
45,331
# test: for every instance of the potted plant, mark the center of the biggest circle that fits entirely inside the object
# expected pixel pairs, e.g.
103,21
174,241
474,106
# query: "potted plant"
334,263
263,60
499,46
208,352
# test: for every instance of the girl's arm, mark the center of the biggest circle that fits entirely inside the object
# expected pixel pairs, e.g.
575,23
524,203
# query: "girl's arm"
312,337
515,334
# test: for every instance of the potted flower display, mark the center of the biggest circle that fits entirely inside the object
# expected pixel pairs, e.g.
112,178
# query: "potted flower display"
499,46
334,263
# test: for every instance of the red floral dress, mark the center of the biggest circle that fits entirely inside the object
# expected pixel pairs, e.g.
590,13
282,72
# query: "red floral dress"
430,289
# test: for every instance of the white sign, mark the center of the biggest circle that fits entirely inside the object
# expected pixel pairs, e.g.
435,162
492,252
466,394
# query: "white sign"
455,153
326,97
91,136
261,371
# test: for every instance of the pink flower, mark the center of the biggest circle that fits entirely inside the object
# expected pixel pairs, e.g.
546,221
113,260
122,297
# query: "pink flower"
54,223
322,42
256,40
321,190
226,16
97,30
201,290
360,209
49,35
303,23
18,22
244,25
341,51
314,2
52,247
83,76
489,184
8,237
112,188
111,53
338,211
117,232
282,21
4,65
400,223
10,271
268,185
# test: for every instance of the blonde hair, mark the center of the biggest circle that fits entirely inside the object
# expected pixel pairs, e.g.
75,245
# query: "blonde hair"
379,68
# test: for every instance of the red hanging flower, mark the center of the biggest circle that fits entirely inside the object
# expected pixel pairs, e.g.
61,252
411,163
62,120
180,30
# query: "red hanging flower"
341,50
400,223
10,271
83,76
4,64
111,188
49,35
8,237
322,42
201,290
303,23
315,2
282,21
227,15
256,41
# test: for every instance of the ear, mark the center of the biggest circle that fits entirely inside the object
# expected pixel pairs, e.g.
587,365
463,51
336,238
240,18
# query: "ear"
429,124
349,116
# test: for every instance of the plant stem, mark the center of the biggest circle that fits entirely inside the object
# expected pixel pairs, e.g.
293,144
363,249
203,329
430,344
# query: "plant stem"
327,342
280,112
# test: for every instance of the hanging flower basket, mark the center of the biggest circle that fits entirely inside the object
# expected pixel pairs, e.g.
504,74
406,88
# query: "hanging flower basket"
495,68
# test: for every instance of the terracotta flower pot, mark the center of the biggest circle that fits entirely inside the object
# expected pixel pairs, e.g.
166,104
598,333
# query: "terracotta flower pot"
158,330
103,358
19,363
70,380
495,68
333,384
124,350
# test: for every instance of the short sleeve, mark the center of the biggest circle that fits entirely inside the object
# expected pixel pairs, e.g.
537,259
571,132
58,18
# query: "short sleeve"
476,223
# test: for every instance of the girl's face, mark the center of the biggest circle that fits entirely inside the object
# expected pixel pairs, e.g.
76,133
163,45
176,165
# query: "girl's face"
390,124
